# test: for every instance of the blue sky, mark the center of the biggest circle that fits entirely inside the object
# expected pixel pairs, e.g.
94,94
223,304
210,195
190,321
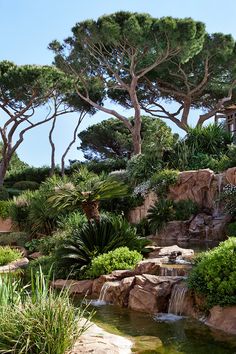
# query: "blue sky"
27,26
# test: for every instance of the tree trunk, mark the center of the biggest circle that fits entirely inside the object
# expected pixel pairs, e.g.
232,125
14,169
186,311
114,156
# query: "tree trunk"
3,170
52,169
136,135
91,210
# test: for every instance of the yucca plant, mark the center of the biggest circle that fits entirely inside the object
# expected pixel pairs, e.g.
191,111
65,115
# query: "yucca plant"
87,195
95,238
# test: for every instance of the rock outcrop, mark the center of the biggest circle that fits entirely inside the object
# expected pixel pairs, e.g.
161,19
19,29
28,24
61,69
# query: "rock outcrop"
223,318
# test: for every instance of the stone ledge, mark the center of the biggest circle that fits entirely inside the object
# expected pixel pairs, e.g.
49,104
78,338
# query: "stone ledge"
11,267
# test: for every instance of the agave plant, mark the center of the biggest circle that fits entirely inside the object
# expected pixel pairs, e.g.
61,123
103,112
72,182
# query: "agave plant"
95,238
87,194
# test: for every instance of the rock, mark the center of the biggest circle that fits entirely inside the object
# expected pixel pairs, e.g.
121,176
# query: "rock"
6,225
13,266
151,293
137,214
205,227
230,175
96,340
223,318
35,255
150,266
167,251
173,231
80,287
117,292
199,186
99,282
121,274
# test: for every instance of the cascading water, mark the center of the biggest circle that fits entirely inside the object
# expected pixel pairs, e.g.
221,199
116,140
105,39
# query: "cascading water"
219,187
102,296
176,303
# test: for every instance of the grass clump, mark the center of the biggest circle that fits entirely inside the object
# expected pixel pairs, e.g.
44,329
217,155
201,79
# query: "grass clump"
38,321
8,255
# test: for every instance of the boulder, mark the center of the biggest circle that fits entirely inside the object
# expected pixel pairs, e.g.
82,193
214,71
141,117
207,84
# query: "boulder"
99,282
150,266
35,255
205,227
80,287
121,274
117,292
230,175
13,266
151,293
223,318
167,251
173,231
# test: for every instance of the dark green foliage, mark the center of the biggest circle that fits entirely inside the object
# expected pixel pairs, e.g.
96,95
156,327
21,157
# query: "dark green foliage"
95,238
143,228
14,239
214,274
26,185
160,213
4,195
184,209
228,197
231,229
5,206
141,167
34,174
212,139
46,264
13,192
33,245
122,205
19,210
162,180
120,258
165,210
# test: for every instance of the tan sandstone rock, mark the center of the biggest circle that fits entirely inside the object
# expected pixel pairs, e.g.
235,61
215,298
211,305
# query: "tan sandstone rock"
223,318
80,287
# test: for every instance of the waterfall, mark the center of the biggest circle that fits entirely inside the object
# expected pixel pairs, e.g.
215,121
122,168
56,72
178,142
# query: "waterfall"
176,303
104,289
219,187
165,272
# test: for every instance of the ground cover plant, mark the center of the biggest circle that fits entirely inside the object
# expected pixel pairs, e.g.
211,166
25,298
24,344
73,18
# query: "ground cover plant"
8,255
214,274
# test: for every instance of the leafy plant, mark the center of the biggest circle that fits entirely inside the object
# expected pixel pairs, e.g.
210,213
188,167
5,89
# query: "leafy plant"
39,322
87,194
214,274
231,229
8,255
46,264
165,210
5,206
96,238
4,195
160,213
141,167
184,209
14,239
229,198
33,245
120,258
162,180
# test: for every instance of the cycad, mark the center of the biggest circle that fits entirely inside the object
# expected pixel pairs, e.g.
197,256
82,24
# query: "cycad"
87,194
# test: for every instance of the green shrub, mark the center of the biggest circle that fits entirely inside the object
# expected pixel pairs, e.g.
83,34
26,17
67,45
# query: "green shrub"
5,206
165,210
162,180
13,192
106,166
214,275
8,255
184,209
211,139
231,229
160,213
41,321
14,239
120,258
4,195
26,185
141,167
143,228
93,239
33,244
19,210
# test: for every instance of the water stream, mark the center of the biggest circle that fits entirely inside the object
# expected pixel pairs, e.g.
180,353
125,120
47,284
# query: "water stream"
176,303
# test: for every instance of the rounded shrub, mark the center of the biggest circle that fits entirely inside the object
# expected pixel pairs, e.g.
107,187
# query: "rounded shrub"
120,258
4,195
26,185
14,239
5,206
162,180
214,274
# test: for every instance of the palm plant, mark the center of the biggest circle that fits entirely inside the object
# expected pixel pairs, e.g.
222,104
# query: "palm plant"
95,238
87,194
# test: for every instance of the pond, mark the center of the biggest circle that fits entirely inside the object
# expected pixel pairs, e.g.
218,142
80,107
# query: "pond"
164,334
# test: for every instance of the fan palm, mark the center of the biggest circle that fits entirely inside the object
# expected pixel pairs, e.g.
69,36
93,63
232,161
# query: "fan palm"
87,194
